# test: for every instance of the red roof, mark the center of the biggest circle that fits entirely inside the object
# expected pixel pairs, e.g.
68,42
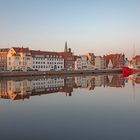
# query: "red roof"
21,49
4,50
34,52
137,57
44,53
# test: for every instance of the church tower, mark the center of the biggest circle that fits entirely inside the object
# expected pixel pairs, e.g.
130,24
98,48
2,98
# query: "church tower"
66,47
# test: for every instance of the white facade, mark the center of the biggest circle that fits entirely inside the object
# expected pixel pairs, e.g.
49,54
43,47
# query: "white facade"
82,63
24,59
99,62
47,62
78,63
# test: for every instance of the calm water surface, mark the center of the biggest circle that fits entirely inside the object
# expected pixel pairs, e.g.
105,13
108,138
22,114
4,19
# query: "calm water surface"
70,108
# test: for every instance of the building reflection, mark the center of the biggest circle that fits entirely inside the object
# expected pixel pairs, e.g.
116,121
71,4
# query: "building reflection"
114,81
135,79
25,88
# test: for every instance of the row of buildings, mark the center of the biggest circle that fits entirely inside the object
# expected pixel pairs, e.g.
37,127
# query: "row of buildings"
16,58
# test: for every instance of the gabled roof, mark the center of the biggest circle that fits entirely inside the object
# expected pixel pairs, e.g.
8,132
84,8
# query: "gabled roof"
21,49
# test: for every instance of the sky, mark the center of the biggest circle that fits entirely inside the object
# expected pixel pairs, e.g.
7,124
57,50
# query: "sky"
97,26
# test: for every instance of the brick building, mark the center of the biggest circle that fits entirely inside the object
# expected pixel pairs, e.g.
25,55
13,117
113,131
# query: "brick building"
114,60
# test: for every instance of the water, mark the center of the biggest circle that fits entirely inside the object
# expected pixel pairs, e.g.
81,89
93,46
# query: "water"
70,108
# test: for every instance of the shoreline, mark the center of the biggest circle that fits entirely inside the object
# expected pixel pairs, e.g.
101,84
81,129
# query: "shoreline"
58,73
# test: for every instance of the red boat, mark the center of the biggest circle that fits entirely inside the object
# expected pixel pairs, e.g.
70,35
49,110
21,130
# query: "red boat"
126,71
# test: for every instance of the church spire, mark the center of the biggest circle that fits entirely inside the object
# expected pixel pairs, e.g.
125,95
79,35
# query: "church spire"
66,47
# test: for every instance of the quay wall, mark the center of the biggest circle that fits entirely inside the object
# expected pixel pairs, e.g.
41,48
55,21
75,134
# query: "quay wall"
58,73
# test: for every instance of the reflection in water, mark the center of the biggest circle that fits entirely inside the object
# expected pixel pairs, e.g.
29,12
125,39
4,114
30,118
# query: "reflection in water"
101,107
135,78
23,89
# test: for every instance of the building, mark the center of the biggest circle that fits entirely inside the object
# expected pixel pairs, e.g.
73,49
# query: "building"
136,61
25,59
3,59
83,63
78,63
19,58
91,58
68,57
114,60
42,60
99,62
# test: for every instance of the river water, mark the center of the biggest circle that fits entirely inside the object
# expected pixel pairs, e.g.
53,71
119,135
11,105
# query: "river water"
70,108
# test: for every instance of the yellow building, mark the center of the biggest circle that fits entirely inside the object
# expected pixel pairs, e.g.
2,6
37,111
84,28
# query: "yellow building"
19,58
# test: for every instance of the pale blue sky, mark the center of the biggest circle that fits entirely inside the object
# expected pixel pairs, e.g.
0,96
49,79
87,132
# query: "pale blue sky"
99,26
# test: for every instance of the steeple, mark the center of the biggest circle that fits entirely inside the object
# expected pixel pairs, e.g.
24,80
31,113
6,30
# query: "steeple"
66,47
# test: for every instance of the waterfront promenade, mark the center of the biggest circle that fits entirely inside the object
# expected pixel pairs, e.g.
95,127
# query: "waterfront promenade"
59,73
